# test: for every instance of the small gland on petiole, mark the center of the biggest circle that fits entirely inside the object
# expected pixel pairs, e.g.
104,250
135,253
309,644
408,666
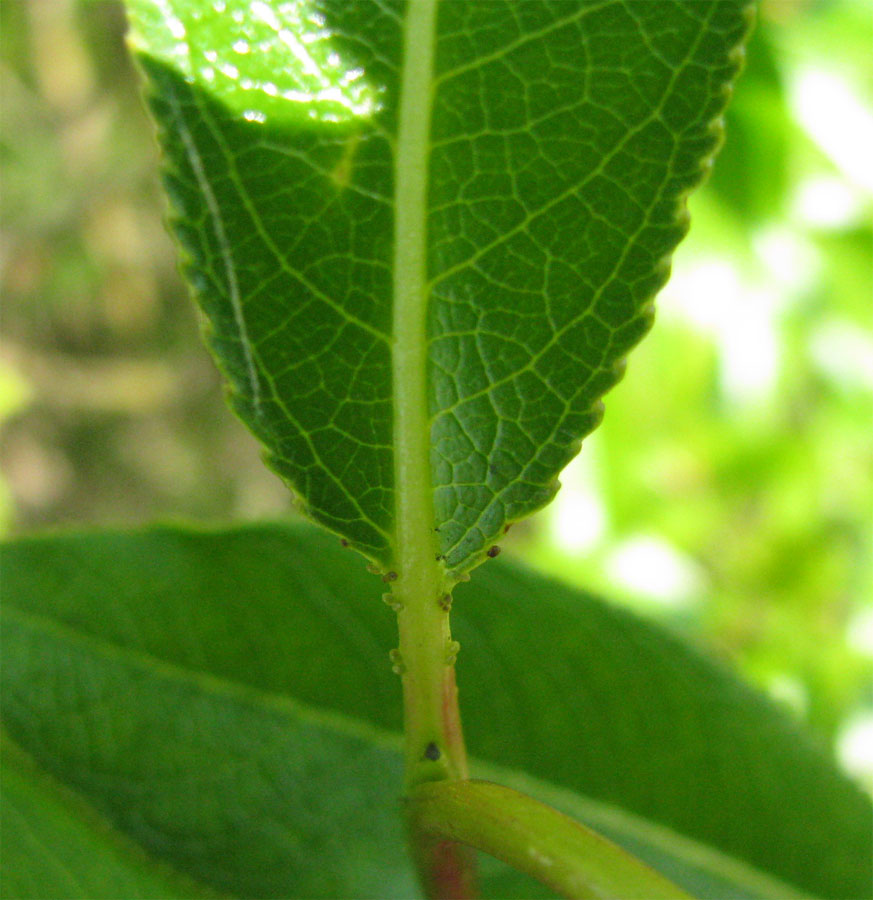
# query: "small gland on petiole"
393,602
452,649
398,666
445,602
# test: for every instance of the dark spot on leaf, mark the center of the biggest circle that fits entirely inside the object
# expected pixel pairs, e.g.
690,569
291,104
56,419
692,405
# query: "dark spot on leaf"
344,542
445,602
432,752
389,576
493,551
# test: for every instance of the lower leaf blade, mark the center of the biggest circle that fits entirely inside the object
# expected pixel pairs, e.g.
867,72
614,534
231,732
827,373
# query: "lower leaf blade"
226,700
56,845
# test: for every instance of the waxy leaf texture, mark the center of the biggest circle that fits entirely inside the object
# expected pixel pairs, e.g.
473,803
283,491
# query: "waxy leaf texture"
426,234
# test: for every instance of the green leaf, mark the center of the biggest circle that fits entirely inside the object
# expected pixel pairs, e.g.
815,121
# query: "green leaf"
225,700
425,235
55,845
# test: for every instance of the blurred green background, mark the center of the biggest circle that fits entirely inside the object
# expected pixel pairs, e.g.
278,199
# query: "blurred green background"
728,493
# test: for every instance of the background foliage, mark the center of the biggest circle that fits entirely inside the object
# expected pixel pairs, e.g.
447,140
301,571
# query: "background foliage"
729,490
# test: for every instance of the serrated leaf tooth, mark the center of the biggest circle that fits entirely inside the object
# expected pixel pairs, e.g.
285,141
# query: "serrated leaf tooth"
619,367
597,410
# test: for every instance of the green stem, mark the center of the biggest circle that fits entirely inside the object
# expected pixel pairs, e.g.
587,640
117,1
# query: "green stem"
536,839
433,746
425,656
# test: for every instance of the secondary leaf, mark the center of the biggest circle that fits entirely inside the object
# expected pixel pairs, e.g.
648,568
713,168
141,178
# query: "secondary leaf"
203,690
54,845
425,235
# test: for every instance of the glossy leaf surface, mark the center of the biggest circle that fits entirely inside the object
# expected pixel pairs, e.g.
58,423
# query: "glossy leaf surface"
425,236
226,701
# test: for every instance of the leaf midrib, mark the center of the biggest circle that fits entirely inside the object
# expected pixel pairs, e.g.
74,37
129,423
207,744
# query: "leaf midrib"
412,476
596,813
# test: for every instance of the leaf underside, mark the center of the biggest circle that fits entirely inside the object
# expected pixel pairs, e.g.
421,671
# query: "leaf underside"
561,141
56,845
203,692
